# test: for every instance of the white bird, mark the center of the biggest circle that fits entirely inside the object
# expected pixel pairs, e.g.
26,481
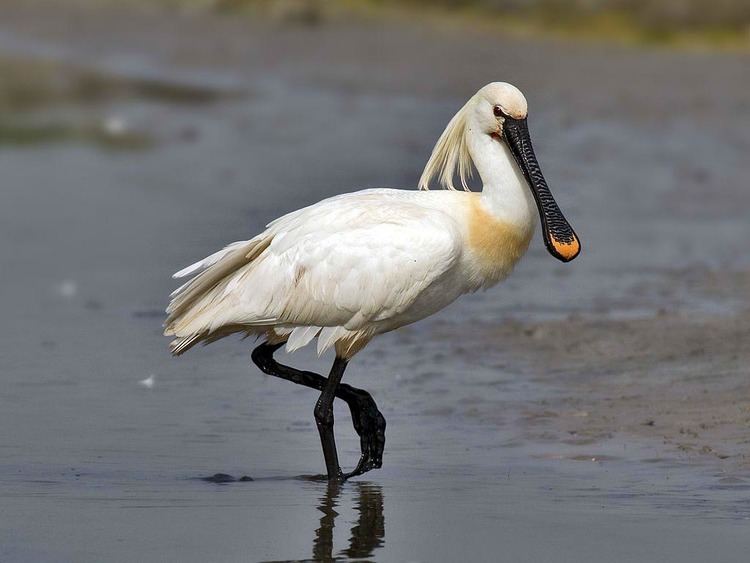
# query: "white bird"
360,264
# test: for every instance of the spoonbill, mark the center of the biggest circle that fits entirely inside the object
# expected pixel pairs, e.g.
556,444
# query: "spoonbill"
363,263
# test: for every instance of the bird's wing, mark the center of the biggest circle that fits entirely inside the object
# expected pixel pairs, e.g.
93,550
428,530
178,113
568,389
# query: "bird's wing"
348,261
344,262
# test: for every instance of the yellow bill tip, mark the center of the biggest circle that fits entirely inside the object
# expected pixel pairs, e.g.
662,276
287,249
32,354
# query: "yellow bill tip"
565,250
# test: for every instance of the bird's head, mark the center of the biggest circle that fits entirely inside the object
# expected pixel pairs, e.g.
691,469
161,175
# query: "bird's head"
499,110
493,104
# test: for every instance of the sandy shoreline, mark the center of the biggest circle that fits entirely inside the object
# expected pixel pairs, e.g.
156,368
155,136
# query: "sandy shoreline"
676,379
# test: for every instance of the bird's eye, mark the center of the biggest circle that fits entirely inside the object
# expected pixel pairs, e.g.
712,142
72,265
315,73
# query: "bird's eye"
498,111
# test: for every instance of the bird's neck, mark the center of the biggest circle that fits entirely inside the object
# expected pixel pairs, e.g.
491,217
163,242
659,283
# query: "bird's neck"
505,192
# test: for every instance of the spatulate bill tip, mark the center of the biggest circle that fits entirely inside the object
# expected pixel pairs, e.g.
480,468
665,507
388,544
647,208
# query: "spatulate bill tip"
563,250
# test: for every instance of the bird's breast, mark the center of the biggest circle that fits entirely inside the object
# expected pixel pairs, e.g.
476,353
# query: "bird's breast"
494,245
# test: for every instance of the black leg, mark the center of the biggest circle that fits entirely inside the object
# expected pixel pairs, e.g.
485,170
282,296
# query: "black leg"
367,419
324,420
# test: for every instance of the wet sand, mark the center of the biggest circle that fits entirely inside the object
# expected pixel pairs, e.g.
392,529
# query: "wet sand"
584,412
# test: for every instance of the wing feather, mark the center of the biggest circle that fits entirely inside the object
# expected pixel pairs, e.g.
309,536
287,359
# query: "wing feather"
340,265
365,264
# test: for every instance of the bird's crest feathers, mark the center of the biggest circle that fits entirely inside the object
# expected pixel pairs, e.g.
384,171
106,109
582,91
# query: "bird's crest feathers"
450,156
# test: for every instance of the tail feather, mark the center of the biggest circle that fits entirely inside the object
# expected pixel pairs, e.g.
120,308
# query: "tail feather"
189,317
209,260
184,343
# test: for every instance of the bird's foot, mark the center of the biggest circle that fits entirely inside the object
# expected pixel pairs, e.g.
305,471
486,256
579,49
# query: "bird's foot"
370,424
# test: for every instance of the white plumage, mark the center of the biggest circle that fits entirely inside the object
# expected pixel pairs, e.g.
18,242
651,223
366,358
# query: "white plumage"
340,269
363,263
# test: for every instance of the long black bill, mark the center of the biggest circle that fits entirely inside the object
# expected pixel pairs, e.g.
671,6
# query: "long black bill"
559,237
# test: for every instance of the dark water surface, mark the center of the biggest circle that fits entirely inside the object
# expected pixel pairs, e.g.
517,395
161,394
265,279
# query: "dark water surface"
96,465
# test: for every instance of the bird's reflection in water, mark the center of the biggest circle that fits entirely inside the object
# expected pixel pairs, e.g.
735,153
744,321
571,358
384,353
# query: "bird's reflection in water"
365,536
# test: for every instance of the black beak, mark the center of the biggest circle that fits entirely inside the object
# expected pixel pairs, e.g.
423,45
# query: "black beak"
559,237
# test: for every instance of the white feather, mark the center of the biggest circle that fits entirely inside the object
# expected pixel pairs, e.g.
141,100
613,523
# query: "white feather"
301,336
206,262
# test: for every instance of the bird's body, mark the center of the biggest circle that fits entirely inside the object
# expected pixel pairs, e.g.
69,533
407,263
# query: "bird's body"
363,263
348,268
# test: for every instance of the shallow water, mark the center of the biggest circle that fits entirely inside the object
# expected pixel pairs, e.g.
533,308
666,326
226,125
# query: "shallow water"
95,465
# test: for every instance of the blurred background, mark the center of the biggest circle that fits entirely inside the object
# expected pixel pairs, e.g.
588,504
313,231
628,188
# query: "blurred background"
598,407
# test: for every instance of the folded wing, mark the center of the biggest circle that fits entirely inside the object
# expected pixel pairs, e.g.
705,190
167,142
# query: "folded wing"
332,270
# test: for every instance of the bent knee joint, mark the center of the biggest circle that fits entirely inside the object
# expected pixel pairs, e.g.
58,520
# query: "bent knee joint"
263,359
323,416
